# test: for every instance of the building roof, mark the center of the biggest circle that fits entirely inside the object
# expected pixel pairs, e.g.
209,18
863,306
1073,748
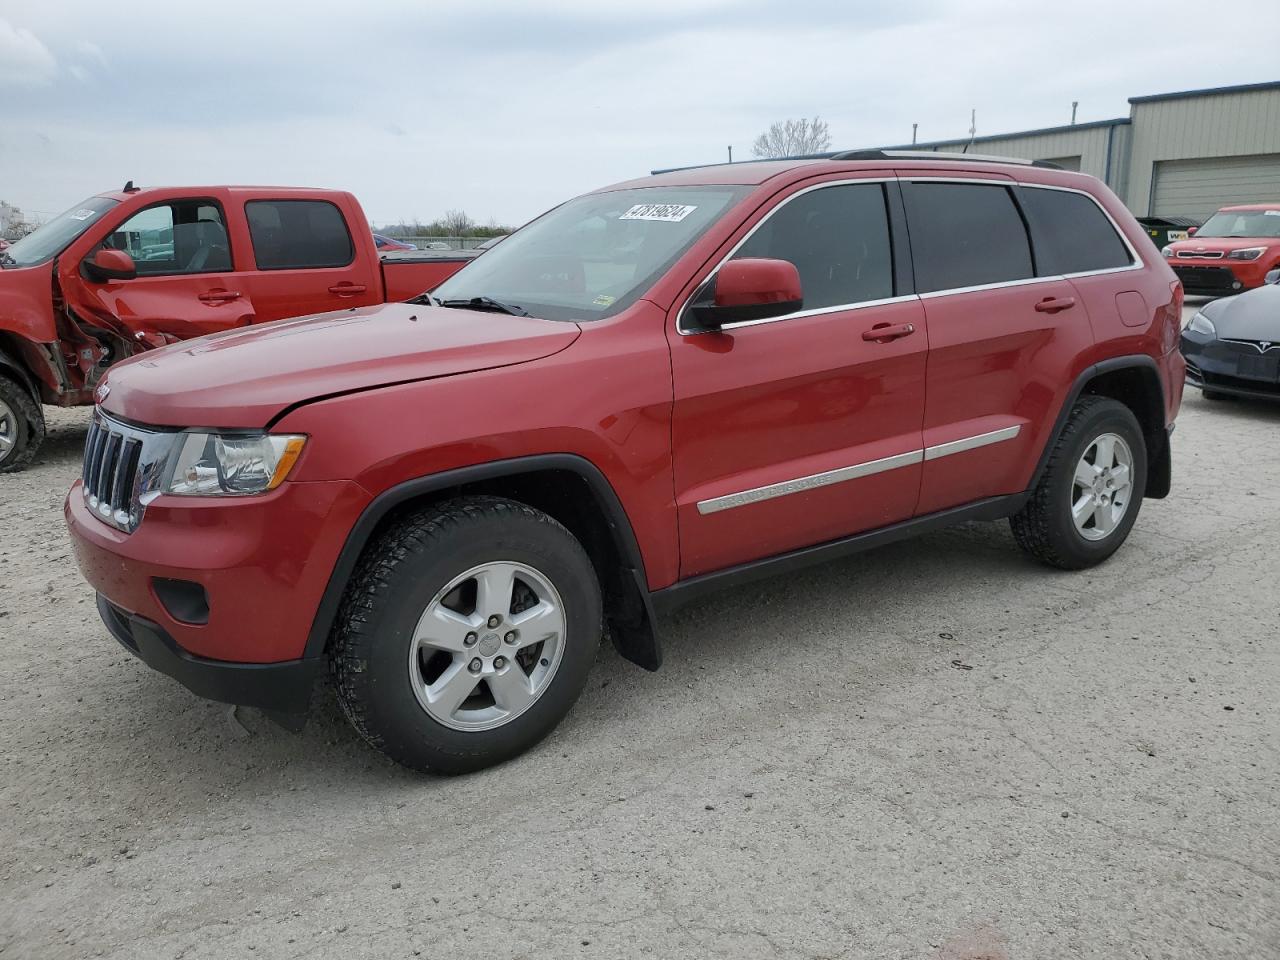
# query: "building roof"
1208,92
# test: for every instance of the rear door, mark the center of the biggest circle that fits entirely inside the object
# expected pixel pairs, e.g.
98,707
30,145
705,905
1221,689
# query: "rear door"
1002,339
306,259
186,284
800,429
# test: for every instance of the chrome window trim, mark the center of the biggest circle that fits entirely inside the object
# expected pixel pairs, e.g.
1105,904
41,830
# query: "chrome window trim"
855,471
817,311
1137,264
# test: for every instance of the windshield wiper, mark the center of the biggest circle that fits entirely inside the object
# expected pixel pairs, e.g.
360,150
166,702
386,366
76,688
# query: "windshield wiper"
483,303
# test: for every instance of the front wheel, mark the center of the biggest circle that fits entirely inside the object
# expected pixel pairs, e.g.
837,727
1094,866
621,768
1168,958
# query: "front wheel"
1091,490
466,634
21,426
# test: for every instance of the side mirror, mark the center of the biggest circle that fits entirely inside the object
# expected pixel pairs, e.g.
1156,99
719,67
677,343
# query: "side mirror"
747,289
1273,276
111,265
1191,231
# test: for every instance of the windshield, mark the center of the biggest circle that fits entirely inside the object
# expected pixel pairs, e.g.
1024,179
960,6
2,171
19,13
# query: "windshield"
592,256
53,237
1241,223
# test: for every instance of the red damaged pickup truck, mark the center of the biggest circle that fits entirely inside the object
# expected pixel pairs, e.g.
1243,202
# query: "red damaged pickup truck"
124,272
671,384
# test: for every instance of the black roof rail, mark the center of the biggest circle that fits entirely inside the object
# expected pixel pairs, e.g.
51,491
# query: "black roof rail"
937,155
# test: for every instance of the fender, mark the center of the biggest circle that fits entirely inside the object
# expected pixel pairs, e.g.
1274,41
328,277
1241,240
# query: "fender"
1159,471
632,620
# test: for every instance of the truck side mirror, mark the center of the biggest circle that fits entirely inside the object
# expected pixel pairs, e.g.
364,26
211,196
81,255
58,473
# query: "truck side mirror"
747,289
110,264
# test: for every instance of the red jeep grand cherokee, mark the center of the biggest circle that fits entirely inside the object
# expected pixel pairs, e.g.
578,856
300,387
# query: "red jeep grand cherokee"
1233,252
683,381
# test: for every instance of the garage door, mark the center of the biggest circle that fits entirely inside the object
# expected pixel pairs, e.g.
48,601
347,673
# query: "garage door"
1196,188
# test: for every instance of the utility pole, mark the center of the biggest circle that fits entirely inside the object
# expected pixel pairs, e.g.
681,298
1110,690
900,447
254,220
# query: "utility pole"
731,154
1074,104
914,127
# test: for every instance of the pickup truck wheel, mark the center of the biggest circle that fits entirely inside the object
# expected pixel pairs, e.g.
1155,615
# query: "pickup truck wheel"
1089,495
21,426
466,634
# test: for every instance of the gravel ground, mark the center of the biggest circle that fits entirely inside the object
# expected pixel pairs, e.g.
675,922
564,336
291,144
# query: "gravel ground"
937,750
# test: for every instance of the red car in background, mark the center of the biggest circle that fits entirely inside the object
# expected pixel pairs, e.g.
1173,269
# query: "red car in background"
1231,253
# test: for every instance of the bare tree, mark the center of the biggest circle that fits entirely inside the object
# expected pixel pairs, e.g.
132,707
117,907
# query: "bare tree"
792,138
456,223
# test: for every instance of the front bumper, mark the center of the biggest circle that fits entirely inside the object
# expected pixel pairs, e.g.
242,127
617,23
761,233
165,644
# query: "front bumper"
216,591
1238,369
1219,278
279,688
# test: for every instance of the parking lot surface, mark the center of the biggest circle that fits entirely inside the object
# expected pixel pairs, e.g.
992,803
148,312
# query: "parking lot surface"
937,749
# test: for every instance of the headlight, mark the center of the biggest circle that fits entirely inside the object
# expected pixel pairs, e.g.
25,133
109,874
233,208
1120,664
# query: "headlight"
1202,324
1249,253
211,464
1167,252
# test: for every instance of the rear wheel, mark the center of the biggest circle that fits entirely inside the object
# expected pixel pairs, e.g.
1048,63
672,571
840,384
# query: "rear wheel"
21,425
466,634
1089,495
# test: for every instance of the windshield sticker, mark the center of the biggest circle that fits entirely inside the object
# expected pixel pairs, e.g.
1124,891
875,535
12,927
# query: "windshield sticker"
82,214
666,212
604,300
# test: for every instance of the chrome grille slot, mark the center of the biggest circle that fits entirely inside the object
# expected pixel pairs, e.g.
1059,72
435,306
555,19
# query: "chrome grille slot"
123,470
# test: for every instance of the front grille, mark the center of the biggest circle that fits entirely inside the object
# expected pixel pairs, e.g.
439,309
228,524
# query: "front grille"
1207,279
1262,346
1202,255
122,467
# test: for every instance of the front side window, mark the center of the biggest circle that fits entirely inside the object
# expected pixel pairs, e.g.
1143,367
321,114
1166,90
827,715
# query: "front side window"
1072,234
50,239
838,239
1246,224
183,237
595,255
965,235
298,234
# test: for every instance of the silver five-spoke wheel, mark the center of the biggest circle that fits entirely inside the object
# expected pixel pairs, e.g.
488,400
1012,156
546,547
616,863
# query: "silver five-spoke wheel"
8,428
1102,487
487,646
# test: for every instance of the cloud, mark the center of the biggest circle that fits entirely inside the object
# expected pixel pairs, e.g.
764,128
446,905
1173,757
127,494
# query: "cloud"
24,60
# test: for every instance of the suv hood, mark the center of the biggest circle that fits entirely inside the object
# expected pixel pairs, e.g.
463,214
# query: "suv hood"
247,377
1220,244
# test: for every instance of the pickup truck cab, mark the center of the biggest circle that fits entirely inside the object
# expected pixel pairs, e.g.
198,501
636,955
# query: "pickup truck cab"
671,384
129,271
1233,252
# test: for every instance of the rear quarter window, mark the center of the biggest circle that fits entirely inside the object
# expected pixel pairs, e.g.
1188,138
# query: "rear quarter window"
298,234
1071,233
965,235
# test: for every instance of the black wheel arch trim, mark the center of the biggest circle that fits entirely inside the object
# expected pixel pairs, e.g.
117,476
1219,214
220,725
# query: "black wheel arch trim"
16,370
631,628
1159,470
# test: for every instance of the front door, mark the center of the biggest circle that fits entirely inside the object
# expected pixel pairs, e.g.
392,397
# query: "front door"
803,428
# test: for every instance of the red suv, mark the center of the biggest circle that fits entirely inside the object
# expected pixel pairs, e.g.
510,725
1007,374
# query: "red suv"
667,385
1234,251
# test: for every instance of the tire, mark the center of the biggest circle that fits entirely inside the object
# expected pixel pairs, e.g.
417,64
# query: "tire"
1045,527
384,674
21,425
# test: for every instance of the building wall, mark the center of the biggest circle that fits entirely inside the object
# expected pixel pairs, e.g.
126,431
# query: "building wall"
1228,124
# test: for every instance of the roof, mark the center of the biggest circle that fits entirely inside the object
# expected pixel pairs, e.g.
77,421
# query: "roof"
991,137
1253,206
1208,92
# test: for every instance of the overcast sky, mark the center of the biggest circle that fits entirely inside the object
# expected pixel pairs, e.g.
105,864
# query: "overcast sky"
504,108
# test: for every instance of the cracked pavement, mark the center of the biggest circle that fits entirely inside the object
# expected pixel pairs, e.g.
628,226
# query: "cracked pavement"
937,749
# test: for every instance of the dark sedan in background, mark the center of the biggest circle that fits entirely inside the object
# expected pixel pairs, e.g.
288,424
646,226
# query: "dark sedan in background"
1232,346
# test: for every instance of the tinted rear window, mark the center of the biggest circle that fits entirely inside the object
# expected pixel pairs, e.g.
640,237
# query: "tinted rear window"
298,234
1072,234
965,235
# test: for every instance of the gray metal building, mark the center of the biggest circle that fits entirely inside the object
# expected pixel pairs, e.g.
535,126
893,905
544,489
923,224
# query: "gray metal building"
1176,154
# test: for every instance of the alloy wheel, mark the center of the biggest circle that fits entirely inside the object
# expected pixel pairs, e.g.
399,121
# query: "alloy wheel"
1102,487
